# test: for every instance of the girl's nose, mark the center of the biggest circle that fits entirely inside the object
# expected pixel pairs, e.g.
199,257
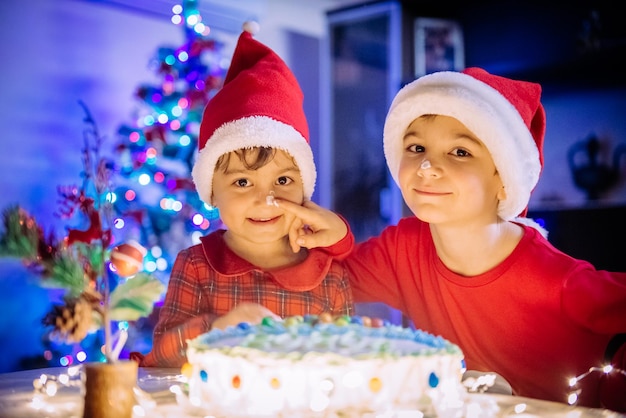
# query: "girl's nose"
269,199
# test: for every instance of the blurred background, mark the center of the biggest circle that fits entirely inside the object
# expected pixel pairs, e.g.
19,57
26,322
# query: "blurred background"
137,73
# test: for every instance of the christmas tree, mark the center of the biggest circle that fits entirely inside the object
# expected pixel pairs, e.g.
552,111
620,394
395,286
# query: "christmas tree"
155,200
151,196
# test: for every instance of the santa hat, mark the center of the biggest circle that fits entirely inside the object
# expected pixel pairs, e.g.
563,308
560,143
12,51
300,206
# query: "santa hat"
260,105
506,115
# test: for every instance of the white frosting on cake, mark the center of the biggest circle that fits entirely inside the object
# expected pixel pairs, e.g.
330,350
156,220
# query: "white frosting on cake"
309,368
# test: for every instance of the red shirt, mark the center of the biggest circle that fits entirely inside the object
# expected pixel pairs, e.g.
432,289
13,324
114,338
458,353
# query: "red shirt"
208,280
537,319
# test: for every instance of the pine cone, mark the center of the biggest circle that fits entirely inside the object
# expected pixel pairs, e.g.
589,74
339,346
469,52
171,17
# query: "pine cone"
71,321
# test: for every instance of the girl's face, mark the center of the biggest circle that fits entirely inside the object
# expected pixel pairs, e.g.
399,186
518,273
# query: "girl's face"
241,193
447,175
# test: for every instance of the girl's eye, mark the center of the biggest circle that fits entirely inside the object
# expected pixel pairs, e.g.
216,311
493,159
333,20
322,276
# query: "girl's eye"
242,182
459,152
283,180
415,148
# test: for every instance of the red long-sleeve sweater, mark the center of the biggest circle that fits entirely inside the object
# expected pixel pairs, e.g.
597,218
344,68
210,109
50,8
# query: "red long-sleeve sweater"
538,318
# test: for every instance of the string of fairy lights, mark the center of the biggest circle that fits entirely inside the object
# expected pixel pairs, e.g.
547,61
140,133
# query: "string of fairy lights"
573,396
48,386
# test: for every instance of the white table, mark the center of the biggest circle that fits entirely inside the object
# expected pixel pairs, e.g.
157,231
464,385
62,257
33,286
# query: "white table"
18,399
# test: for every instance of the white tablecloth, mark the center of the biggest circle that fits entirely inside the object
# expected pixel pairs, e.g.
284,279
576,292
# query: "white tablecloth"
18,399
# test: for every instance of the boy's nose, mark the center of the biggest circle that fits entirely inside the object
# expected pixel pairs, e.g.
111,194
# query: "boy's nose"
426,169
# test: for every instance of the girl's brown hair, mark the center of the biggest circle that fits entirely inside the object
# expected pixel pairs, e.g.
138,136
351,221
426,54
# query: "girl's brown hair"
252,158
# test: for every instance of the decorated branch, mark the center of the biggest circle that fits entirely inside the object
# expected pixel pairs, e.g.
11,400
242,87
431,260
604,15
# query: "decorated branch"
83,263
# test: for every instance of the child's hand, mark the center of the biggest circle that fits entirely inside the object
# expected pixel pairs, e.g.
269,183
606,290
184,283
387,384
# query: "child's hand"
253,313
313,226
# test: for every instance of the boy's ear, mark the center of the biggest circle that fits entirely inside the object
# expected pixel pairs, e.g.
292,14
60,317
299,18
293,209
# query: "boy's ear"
501,195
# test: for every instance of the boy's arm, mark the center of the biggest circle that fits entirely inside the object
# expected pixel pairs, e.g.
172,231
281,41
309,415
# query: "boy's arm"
596,299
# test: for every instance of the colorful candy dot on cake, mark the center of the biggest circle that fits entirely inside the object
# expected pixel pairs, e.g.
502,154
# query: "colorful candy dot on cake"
310,319
433,380
186,369
244,326
357,320
275,383
377,323
291,321
204,376
375,384
342,320
268,321
236,382
325,318
366,321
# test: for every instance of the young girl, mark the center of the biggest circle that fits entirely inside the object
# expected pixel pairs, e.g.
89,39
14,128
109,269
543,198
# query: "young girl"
254,147
465,149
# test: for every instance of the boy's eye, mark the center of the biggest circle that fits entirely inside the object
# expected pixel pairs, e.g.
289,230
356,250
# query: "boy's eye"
242,182
415,148
459,152
283,180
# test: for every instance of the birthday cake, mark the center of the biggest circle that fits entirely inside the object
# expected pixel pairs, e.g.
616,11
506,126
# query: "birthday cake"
316,366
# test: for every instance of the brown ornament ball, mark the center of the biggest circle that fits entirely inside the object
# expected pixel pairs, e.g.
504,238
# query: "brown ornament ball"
127,258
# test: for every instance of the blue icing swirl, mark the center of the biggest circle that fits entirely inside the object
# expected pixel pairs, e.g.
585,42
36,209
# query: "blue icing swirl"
308,334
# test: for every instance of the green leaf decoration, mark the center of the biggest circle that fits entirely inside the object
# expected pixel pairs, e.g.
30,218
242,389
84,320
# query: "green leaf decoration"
21,234
135,298
93,254
66,273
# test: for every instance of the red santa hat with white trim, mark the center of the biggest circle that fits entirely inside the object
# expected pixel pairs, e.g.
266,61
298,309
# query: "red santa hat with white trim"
259,105
505,114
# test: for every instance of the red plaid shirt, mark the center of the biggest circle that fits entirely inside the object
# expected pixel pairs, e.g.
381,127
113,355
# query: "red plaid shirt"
208,280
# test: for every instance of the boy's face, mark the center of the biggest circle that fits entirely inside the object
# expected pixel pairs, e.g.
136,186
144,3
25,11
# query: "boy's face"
241,194
459,182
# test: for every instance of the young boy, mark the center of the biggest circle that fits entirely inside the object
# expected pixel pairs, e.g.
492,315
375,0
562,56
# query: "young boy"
253,146
466,150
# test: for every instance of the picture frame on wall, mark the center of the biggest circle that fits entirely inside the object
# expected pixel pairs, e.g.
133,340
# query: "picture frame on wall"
438,46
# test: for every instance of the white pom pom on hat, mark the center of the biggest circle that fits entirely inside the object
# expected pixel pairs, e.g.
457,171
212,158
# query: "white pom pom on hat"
505,114
259,105
251,27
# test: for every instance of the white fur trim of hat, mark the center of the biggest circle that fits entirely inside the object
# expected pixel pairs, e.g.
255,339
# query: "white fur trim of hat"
250,132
